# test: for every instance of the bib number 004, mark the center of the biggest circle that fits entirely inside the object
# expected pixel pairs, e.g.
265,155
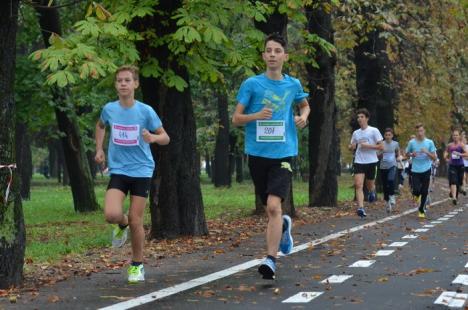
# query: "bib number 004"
271,131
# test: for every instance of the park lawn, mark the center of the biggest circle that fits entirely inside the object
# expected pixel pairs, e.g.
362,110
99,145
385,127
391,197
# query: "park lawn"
54,229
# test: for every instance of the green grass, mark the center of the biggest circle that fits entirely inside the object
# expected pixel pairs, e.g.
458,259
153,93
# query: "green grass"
54,229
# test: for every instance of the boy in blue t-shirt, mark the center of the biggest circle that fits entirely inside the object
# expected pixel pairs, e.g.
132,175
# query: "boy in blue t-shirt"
133,126
265,106
423,154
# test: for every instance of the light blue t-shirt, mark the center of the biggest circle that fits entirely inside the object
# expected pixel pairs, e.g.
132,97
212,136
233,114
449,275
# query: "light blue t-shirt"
421,162
129,154
280,95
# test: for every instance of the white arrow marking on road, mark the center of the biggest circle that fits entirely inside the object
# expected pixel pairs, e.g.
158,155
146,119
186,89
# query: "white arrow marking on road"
452,299
302,297
461,279
384,252
362,263
466,266
336,279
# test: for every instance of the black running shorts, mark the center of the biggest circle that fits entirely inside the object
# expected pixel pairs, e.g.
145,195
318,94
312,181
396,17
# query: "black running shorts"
136,186
370,170
271,176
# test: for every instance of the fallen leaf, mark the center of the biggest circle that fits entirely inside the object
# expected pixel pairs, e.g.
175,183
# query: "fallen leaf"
53,299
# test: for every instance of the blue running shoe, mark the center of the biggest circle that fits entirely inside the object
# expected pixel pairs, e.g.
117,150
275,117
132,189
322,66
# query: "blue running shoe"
372,197
286,244
361,212
267,269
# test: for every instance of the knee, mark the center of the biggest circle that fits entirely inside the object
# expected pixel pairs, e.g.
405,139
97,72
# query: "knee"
273,207
112,217
135,221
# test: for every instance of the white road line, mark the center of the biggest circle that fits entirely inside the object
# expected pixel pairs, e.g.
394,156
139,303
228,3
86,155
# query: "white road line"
453,213
421,230
429,226
160,294
449,215
410,237
452,299
442,219
336,279
436,222
466,266
398,244
461,279
302,297
362,263
384,252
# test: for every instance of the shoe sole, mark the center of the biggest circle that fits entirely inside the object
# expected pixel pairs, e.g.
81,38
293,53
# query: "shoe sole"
289,237
266,272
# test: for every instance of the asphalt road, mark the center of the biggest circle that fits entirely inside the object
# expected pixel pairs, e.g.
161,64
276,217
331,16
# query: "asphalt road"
397,262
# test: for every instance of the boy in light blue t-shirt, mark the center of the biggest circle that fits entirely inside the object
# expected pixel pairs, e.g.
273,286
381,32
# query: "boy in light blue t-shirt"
266,104
133,126
423,153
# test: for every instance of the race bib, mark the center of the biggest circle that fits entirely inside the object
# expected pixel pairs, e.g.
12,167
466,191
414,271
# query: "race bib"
363,140
421,155
390,157
125,135
271,131
455,155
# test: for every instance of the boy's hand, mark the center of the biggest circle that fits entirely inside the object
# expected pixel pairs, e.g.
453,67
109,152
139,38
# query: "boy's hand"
147,136
100,156
265,113
300,121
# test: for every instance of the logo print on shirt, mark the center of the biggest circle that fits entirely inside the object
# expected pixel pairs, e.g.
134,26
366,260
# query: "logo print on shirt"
274,101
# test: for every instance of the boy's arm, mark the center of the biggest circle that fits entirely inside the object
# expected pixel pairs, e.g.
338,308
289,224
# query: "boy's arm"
100,134
304,111
239,118
160,136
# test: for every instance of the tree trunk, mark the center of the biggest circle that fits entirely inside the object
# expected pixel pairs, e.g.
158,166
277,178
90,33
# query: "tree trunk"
24,159
239,166
323,135
221,173
82,185
374,88
208,169
12,232
276,22
53,158
176,205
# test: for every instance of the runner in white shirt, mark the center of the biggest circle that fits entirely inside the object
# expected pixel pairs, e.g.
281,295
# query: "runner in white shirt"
366,141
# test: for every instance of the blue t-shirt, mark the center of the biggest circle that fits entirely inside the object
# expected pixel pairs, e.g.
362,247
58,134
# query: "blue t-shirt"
421,162
280,95
129,154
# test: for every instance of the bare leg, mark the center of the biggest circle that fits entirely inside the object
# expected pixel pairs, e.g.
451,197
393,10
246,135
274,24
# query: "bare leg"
135,221
113,207
275,224
358,185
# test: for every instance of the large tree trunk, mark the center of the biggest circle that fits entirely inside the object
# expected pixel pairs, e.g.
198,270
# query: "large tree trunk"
24,159
81,181
221,173
176,205
323,135
276,22
53,158
374,87
12,233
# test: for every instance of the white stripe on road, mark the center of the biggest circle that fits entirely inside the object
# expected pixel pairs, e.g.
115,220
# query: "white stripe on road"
302,297
362,263
436,222
428,226
410,237
466,266
398,244
461,279
452,299
384,252
442,219
421,230
160,294
336,279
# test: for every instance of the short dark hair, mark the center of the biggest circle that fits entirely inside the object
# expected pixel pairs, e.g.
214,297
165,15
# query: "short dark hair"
275,36
363,111
390,130
418,125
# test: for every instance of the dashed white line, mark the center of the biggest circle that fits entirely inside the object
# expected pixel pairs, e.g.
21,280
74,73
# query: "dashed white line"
452,299
410,237
466,266
398,244
436,222
461,279
384,252
428,225
442,219
302,297
362,263
421,230
336,279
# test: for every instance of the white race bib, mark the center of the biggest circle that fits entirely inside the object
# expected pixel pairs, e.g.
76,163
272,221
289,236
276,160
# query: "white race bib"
271,131
125,135
421,155
455,155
